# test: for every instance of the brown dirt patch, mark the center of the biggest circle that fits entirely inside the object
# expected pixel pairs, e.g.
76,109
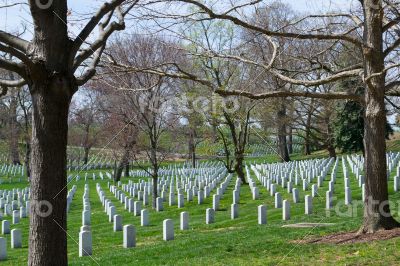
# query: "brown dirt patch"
307,225
352,237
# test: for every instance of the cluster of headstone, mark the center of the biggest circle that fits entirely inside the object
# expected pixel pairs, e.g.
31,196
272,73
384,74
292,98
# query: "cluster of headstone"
100,161
15,203
12,171
92,176
290,176
258,150
70,196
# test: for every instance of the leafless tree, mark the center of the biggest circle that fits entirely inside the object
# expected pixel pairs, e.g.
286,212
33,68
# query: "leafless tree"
51,64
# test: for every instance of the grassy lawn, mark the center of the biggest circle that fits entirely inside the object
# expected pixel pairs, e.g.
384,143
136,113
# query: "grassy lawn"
226,242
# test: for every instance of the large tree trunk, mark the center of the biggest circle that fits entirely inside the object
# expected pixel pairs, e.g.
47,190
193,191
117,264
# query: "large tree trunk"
376,209
48,223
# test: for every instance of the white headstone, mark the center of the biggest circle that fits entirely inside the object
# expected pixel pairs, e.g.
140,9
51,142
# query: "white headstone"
168,230
234,211
5,227
16,238
200,197
262,214
137,208
296,195
181,201
347,196
308,204
328,200
286,210
117,223
15,217
278,200
184,221
3,249
159,204
111,213
216,198
129,236
144,220
86,218
210,215
255,193
85,243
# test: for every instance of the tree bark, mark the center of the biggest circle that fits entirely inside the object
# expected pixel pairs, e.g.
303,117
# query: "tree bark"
307,148
290,142
127,168
86,155
192,148
331,151
28,158
47,234
376,206
13,131
239,157
282,142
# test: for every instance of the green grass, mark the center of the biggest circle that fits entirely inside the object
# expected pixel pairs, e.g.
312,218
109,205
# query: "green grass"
226,242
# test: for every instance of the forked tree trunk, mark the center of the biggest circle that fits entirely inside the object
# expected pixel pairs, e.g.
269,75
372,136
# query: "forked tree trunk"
376,206
47,234
239,158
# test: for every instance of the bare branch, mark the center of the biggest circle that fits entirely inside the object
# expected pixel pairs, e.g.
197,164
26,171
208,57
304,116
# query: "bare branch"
12,83
93,22
265,31
14,41
283,94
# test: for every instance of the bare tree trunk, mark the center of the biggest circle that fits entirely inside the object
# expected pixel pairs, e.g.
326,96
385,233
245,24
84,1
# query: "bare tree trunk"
192,148
290,143
331,151
48,223
282,143
14,131
86,155
155,190
154,163
28,158
127,168
239,158
307,148
376,209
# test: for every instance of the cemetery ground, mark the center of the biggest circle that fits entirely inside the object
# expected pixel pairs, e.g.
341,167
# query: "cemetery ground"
226,242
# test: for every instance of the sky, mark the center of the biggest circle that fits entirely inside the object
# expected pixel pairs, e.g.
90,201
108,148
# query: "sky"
11,18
